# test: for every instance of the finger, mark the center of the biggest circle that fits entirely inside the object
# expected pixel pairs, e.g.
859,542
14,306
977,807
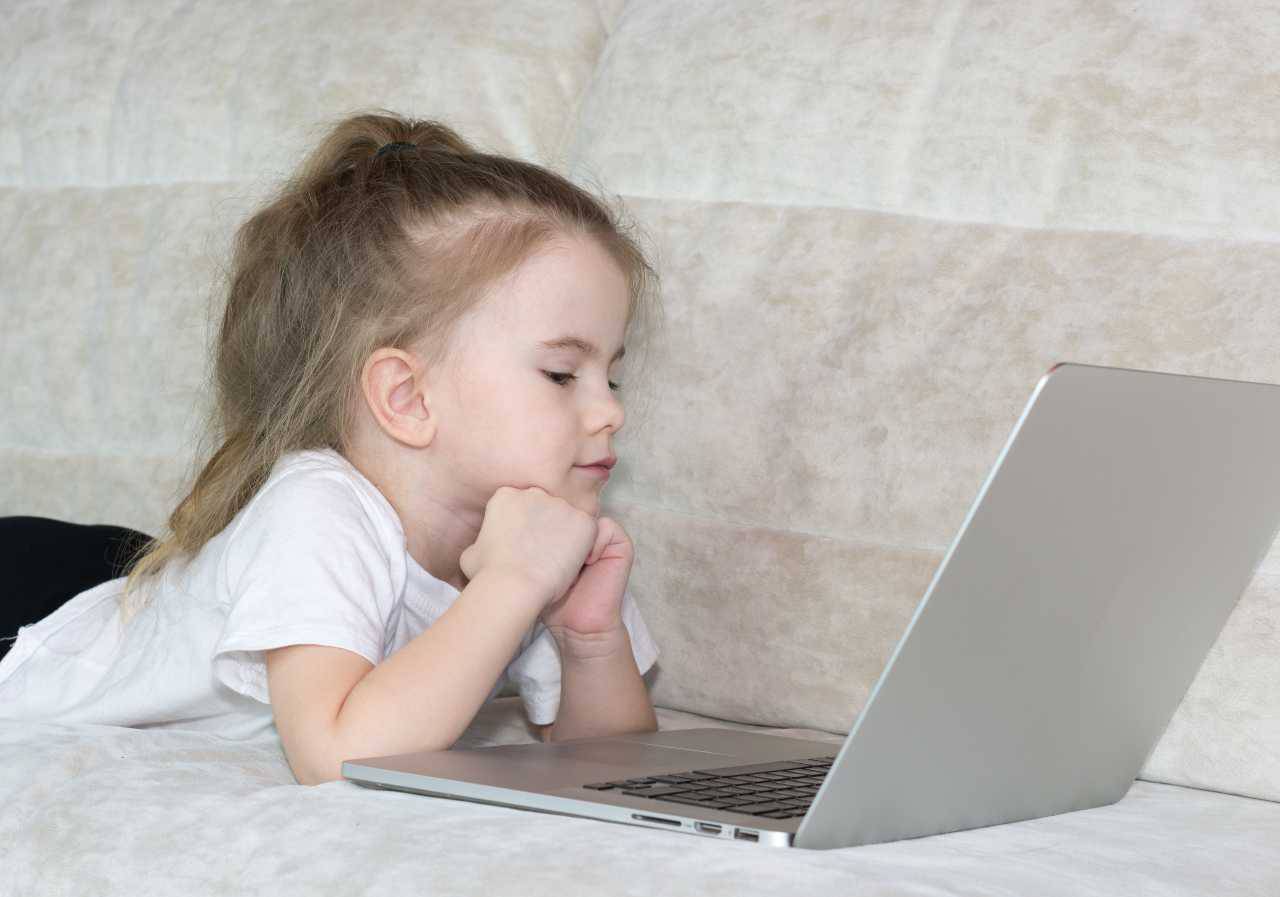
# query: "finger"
601,543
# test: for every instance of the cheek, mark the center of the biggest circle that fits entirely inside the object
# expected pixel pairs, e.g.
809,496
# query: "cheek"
529,413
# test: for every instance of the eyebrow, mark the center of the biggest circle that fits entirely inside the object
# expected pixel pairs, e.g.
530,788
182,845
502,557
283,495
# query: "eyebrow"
579,344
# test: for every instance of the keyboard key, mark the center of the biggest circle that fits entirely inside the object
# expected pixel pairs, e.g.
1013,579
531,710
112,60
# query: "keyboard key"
654,792
692,801
759,808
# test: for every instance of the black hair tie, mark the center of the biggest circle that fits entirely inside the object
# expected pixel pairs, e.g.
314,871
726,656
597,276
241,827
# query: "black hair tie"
386,148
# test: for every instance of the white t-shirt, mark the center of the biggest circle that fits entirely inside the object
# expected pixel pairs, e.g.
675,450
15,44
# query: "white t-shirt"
317,556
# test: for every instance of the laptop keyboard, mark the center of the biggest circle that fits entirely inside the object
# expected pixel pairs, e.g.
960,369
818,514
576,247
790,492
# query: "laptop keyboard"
779,790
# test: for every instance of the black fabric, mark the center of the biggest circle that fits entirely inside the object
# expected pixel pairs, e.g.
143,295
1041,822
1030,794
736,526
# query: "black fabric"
46,562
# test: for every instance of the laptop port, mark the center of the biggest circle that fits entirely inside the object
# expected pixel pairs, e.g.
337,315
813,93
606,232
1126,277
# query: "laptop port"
709,827
641,816
745,834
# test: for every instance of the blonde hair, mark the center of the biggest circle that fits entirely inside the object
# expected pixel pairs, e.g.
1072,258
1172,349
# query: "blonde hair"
356,251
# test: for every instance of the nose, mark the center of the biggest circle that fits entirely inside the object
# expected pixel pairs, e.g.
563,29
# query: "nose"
606,413
615,415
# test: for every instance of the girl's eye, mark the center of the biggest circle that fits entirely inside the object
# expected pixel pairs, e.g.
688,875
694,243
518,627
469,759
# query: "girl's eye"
565,382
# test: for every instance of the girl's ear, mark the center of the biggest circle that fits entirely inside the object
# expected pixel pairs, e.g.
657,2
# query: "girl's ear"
395,392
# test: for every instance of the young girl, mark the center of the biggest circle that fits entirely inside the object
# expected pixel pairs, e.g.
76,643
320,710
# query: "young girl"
416,408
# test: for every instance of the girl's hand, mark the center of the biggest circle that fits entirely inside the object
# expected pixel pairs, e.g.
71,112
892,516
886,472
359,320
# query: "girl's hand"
529,533
587,619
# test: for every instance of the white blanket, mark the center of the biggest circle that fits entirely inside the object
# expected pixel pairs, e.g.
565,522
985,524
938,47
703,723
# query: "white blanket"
101,810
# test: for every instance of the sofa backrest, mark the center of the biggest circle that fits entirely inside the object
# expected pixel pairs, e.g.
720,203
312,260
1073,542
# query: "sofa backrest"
876,228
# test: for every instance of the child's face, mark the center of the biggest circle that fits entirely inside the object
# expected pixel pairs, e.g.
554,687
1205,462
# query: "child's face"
513,424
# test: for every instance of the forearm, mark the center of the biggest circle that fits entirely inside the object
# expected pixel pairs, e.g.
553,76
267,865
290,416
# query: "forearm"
425,695
602,695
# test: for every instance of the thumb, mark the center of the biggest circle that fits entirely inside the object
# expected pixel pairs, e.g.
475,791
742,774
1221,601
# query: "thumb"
603,534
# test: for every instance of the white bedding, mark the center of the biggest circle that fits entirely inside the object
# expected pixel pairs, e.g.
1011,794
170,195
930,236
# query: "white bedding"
100,810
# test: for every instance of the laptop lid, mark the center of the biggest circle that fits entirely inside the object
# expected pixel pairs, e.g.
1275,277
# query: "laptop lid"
1121,523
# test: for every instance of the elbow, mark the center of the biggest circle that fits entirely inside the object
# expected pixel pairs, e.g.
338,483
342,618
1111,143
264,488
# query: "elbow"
316,774
313,778
323,779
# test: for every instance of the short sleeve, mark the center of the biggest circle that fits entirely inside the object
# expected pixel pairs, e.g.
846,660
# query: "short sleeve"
536,671
308,564
642,644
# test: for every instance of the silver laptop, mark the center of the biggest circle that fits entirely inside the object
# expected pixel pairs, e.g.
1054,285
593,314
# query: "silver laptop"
1120,524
